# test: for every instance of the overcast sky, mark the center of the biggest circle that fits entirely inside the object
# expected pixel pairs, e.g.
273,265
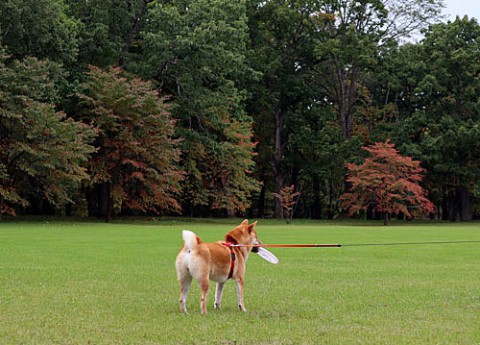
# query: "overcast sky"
471,8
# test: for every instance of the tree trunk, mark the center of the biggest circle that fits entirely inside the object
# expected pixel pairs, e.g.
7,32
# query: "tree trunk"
346,97
230,212
331,199
386,218
466,212
277,163
316,206
104,202
261,199
450,206
92,202
135,20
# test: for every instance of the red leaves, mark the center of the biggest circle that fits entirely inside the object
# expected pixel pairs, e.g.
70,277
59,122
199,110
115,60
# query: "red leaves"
137,153
288,199
388,182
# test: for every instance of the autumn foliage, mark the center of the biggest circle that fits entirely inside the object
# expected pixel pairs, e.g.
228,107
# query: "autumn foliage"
135,166
42,151
387,182
288,198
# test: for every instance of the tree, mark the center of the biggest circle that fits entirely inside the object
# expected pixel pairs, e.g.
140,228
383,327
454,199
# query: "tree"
39,28
195,50
387,182
42,153
283,37
353,32
109,32
444,125
314,57
407,18
135,166
317,153
288,199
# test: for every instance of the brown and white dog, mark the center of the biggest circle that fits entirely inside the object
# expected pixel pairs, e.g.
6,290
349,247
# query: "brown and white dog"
217,261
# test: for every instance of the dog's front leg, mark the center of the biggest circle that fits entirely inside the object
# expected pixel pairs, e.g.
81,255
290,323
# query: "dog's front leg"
239,287
219,294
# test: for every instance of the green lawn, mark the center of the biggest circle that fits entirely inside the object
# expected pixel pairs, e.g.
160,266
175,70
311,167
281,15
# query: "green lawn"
95,283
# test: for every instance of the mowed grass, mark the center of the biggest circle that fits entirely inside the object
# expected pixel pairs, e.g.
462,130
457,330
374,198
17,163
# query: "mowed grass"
95,283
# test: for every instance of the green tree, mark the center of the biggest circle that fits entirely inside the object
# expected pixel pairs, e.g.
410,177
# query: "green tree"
352,32
195,50
407,18
39,28
283,38
316,161
443,130
110,30
135,166
315,57
42,153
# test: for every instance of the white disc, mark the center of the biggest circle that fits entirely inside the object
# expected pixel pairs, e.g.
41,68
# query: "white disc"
266,255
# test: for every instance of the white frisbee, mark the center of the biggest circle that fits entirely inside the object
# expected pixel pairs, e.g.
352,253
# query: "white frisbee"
266,255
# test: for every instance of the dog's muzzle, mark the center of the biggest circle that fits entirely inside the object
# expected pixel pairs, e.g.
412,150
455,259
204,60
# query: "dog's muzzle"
255,249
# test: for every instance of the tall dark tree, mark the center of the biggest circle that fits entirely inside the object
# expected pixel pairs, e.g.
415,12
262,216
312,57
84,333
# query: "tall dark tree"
316,161
352,32
109,30
444,131
315,54
39,28
195,50
283,37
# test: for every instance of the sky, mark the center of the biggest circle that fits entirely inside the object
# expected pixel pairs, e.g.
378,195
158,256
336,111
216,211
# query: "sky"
461,8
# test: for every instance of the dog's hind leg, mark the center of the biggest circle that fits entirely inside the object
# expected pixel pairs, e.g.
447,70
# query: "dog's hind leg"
185,282
184,278
218,295
204,285
239,288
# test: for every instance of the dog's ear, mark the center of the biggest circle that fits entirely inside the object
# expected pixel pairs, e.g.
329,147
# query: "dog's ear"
236,234
229,239
251,226
233,236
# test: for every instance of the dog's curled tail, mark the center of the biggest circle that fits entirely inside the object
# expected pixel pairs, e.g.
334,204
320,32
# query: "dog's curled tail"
190,239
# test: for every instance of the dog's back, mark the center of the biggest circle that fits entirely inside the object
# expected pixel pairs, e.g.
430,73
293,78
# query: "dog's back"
198,259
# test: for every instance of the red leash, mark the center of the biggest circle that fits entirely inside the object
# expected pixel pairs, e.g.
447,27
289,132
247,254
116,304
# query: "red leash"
353,244
287,245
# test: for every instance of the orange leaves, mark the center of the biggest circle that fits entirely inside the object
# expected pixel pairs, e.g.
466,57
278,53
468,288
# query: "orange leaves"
386,182
137,153
288,199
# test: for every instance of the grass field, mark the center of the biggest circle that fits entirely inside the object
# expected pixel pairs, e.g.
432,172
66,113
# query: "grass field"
95,283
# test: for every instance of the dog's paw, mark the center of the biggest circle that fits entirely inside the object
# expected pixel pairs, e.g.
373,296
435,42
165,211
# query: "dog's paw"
242,308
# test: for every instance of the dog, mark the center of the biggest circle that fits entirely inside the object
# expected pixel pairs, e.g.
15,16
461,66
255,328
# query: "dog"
216,261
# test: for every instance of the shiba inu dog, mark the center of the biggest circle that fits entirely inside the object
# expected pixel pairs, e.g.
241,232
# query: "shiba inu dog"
217,261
